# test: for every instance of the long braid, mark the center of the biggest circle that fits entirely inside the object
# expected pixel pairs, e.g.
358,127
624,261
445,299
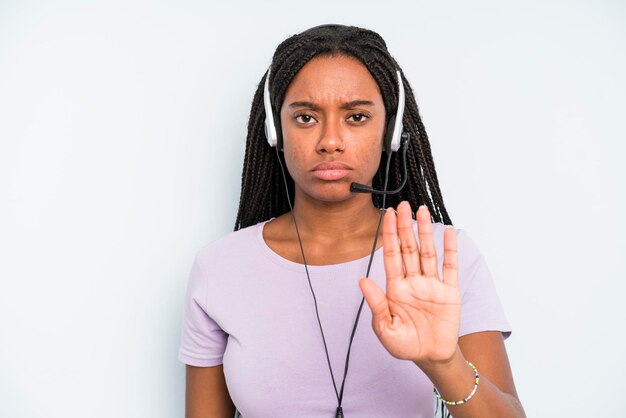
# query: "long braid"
262,193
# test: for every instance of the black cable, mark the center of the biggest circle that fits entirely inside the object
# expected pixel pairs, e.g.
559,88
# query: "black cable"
339,394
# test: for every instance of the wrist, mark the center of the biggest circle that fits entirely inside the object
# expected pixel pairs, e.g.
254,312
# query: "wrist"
454,378
445,366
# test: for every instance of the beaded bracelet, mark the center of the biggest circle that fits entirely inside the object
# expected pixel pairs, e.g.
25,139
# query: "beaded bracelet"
468,397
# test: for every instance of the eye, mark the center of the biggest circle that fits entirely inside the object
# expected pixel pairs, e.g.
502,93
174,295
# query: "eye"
358,117
305,119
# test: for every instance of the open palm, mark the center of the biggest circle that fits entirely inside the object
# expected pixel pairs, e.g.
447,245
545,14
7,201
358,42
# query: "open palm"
419,315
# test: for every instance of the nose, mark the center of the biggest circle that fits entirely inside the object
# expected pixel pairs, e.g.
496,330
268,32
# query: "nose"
331,139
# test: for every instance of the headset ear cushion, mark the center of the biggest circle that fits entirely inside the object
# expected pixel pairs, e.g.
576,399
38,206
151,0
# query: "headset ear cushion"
389,132
279,131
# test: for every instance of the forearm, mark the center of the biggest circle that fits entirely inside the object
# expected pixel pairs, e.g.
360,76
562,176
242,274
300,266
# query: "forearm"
455,380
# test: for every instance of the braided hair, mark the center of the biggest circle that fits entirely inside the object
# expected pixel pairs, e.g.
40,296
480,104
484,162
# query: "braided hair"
263,194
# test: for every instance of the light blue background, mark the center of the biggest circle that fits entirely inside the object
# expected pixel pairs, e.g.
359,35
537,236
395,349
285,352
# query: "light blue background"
122,129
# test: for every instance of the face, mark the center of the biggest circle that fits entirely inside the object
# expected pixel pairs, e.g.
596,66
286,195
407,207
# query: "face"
333,121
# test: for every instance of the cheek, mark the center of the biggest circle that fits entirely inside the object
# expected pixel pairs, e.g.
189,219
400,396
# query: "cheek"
292,160
370,155
371,163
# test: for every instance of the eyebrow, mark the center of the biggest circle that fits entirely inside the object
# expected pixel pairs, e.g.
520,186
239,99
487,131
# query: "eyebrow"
347,105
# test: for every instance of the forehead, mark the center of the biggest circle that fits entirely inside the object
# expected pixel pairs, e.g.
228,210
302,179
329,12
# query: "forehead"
333,79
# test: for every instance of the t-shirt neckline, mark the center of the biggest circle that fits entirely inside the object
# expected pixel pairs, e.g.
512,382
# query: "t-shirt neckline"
291,265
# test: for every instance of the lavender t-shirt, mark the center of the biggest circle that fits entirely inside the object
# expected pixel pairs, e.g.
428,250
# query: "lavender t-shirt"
251,310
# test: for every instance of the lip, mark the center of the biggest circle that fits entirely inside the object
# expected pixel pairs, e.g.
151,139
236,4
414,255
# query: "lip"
331,170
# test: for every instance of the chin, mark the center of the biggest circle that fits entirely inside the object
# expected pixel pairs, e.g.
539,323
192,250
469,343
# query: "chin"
331,193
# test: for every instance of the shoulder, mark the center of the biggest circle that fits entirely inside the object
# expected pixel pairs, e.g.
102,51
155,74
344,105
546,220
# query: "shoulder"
233,246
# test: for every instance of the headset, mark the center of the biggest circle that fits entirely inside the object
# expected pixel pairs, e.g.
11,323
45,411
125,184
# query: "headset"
393,135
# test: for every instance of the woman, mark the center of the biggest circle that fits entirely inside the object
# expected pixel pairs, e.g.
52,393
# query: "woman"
273,325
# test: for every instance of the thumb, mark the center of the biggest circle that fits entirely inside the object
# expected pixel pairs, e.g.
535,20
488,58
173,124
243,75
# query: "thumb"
375,298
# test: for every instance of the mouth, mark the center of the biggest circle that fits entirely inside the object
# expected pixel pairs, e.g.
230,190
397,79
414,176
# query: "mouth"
331,170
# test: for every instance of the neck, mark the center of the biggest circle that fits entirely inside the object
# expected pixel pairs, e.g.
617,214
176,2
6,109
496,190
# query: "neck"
330,221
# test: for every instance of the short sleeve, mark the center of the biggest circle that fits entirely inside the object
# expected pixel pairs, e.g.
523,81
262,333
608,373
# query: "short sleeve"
481,309
202,340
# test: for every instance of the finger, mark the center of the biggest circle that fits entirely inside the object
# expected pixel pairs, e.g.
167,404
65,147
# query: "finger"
408,243
391,247
428,254
450,257
376,300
